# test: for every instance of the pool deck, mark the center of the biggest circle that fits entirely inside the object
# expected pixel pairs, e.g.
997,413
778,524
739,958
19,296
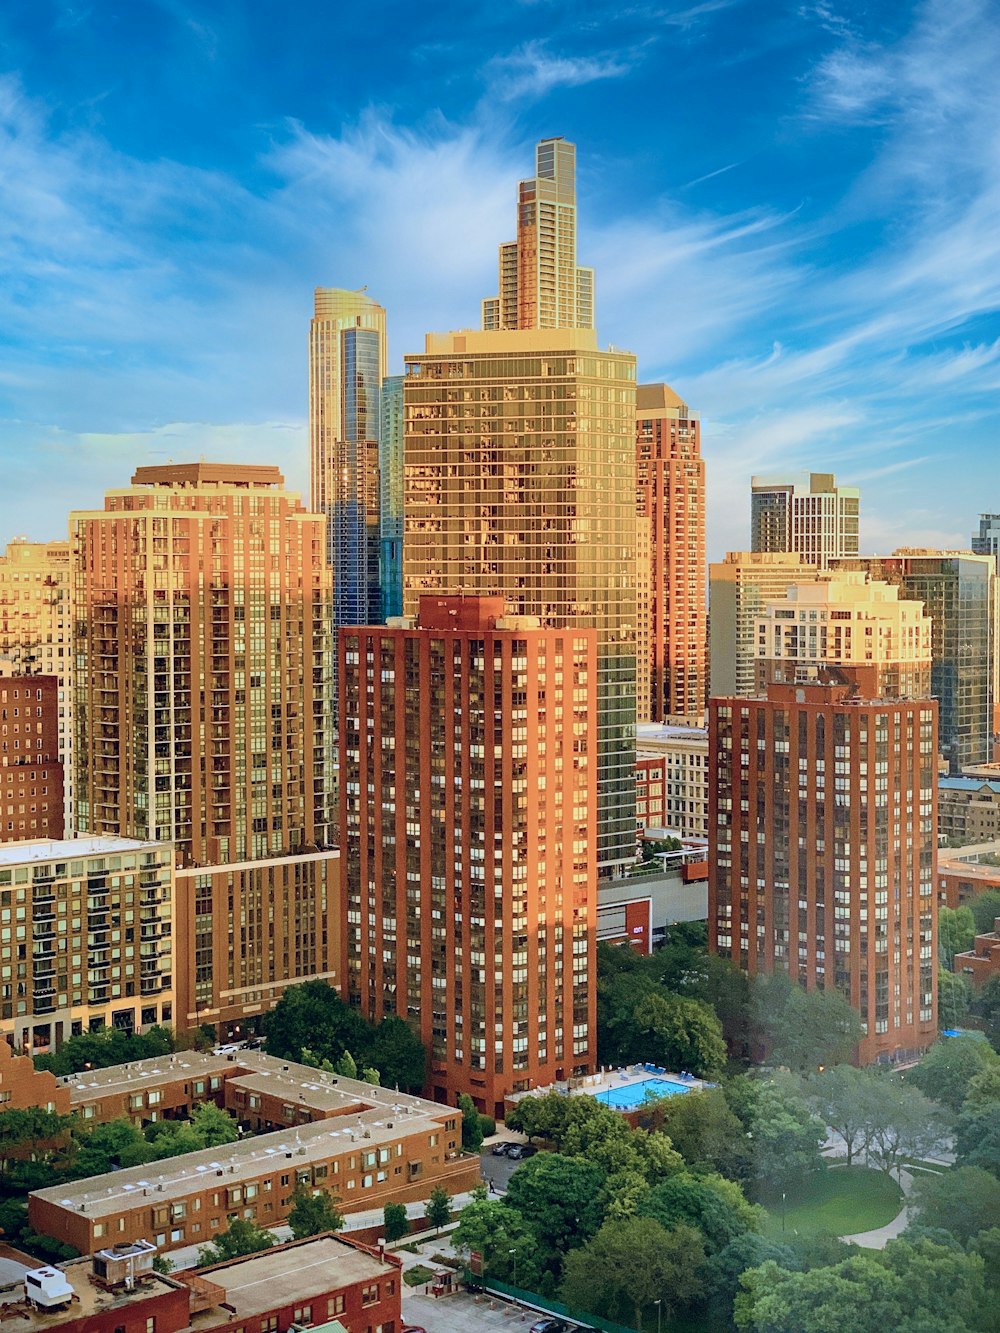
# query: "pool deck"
608,1080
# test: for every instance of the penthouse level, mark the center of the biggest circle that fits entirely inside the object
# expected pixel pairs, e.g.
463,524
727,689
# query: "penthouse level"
396,1152
262,1092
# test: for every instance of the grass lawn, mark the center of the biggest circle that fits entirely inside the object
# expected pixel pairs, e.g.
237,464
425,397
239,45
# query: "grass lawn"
841,1201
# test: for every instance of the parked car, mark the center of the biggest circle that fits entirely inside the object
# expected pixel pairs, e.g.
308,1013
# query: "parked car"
549,1326
517,1152
412,1328
502,1149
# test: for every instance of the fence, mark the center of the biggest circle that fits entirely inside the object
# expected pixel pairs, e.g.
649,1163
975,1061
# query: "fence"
549,1306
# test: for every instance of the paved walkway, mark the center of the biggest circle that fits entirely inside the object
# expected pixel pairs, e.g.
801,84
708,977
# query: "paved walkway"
879,1238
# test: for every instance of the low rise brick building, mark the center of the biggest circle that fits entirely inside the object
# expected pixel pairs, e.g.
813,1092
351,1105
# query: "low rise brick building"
31,771
969,809
982,961
365,1144
22,1085
964,872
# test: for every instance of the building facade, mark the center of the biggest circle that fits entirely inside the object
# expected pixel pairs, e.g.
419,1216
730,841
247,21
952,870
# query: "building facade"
31,772
822,858
348,361
520,483
87,938
959,593
969,809
541,286
679,757
204,716
670,489
807,513
846,619
390,478
469,786
740,587
36,633
987,540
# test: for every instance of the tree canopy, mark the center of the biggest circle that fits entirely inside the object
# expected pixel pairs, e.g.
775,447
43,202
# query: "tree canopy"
314,1212
109,1046
241,1237
945,1072
964,1201
802,1029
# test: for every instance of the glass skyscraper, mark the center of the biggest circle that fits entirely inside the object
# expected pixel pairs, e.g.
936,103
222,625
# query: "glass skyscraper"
390,481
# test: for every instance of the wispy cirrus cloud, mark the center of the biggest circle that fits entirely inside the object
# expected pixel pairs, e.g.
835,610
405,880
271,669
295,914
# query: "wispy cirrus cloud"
532,71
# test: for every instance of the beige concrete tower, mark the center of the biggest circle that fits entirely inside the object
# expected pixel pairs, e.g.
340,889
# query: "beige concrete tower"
36,633
740,587
808,513
520,483
541,286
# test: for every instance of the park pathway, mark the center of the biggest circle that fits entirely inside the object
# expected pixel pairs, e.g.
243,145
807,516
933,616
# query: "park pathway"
880,1237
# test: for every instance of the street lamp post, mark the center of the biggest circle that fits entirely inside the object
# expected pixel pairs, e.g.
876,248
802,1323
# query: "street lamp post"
513,1255
782,1212
659,1311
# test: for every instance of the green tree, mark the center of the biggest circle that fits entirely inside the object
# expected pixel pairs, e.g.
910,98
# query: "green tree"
977,1137
241,1237
472,1130
438,1208
313,1212
844,1098
102,1148
985,908
949,1066
398,1052
786,1137
313,1015
802,1029
903,1124
630,1264
703,1130
679,1034
956,933
30,1134
109,1046
395,1224
213,1126
985,1006
984,1089
954,999
558,1197
498,1232
964,1201
715,1207
724,1270
369,1075
346,1065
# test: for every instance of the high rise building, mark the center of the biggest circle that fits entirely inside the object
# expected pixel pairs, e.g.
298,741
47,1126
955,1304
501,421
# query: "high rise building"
643,616
807,513
36,633
740,588
959,593
846,619
469,775
670,481
390,478
822,852
520,482
347,364
541,286
987,540
203,716
31,772
96,946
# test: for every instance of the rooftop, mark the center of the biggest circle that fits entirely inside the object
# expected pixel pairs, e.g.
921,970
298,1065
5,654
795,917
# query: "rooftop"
212,474
969,784
92,1301
648,732
287,1275
64,849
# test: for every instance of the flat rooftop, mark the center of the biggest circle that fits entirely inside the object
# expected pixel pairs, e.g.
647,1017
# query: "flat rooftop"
253,1070
649,732
65,849
16,1314
287,1275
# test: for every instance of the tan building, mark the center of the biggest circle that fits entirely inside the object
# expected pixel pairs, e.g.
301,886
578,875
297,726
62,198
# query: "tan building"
472,910
520,483
204,716
740,587
670,482
643,617
808,513
86,938
681,755
395,1148
969,810
541,286
36,633
847,619
822,858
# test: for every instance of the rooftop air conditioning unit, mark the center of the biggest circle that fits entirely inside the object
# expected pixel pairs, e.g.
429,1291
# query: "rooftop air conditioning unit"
47,1288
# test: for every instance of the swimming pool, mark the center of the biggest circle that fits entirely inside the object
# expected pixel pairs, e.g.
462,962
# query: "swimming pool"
631,1095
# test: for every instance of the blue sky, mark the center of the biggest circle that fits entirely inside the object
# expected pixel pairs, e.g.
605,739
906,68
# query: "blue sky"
793,210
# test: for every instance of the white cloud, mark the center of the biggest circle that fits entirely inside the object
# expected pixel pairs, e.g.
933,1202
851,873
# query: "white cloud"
532,71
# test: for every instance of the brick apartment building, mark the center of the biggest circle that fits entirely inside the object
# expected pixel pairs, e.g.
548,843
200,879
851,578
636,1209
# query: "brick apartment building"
324,1281
31,772
365,1144
22,1085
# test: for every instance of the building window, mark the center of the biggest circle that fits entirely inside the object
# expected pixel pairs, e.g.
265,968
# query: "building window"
369,1294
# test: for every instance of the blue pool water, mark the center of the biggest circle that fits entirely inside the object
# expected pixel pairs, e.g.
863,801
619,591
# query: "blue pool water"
631,1095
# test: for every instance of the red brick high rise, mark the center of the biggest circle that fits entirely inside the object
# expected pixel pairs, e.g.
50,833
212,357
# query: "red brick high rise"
822,858
468,775
670,482
31,774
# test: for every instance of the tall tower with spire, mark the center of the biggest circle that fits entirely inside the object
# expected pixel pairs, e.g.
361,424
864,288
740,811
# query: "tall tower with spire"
541,286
